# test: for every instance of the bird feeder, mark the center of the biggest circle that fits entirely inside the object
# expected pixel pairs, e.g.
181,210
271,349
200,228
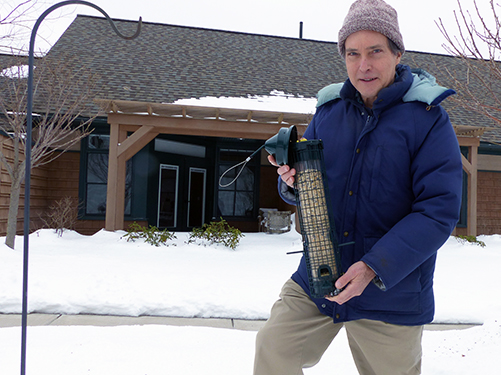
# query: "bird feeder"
320,246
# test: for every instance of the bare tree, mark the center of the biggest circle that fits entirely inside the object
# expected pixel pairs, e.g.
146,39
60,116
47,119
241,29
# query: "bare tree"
14,22
62,99
478,45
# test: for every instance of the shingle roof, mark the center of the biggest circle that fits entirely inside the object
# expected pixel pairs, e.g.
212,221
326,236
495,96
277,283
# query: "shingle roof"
168,62
6,61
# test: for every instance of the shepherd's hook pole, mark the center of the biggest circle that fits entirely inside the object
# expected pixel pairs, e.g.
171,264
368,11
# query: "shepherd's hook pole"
27,184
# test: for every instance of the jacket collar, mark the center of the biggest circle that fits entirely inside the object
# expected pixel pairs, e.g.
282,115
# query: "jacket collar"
409,85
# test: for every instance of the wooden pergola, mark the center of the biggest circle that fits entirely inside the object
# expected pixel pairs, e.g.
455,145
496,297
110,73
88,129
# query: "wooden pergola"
134,124
469,136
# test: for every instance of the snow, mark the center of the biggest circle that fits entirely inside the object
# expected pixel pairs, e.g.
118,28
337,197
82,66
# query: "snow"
105,274
18,71
277,101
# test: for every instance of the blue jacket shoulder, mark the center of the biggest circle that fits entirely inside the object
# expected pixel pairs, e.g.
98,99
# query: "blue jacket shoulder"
424,88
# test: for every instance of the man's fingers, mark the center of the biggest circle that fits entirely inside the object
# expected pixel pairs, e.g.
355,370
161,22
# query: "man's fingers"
285,172
272,160
356,279
342,281
348,293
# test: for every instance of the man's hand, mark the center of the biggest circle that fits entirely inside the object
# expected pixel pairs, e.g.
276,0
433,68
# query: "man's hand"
286,173
356,279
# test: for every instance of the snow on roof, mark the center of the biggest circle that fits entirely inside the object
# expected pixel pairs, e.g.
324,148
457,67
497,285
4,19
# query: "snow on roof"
277,101
16,71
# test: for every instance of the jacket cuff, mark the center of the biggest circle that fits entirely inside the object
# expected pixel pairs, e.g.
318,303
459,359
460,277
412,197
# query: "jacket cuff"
286,192
377,280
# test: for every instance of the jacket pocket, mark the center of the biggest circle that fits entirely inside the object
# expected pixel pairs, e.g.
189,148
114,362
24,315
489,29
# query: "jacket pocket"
403,298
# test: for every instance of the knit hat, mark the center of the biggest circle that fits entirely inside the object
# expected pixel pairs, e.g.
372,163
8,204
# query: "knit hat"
373,15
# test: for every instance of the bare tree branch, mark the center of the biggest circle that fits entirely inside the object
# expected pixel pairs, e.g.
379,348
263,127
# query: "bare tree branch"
60,98
12,24
478,46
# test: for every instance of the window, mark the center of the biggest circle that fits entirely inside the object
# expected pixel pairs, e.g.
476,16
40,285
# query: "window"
238,199
96,176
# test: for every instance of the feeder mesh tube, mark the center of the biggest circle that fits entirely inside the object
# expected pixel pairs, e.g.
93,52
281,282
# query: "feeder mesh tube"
320,245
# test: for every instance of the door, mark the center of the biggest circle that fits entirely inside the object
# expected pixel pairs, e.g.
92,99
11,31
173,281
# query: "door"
181,196
168,196
196,197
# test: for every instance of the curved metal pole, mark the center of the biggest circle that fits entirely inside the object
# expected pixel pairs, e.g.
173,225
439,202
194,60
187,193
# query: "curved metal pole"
29,126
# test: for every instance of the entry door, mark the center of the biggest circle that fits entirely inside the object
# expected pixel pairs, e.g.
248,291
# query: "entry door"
181,197
196,197
168,196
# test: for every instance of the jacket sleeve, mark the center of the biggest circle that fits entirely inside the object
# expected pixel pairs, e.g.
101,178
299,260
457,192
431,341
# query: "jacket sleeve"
436,171
286,193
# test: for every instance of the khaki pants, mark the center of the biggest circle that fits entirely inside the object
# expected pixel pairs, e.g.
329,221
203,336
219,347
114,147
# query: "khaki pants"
297,334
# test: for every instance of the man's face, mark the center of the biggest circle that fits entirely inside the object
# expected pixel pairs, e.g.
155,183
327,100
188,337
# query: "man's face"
370,63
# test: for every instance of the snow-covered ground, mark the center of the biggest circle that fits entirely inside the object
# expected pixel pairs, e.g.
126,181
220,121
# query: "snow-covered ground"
105,274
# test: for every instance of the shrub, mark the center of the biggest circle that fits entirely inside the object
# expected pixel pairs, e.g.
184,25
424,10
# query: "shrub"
470,239
61,215
219,232
151,234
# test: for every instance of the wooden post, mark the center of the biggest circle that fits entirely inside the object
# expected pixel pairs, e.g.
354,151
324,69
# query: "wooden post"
122,148
470,166
115,194
473,192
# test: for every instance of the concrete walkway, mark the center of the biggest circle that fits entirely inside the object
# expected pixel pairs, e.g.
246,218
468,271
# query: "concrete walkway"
14,320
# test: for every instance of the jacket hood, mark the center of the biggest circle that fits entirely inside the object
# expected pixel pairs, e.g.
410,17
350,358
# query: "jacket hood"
424,88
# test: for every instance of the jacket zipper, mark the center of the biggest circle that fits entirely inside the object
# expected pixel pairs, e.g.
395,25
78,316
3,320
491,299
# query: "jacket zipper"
352,167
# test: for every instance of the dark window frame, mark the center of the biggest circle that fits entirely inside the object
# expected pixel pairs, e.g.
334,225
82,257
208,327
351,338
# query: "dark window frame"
86,153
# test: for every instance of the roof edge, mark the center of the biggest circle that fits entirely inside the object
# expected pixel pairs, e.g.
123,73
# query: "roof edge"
243,33
207,29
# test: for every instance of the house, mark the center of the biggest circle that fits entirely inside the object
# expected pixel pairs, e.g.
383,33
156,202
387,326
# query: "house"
156,162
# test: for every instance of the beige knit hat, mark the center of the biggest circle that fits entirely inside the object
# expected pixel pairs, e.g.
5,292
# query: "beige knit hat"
373,15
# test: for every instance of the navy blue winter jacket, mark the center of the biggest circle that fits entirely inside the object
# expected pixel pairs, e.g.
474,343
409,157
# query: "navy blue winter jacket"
395,179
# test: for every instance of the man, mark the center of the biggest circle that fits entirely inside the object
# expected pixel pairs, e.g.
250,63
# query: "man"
394,173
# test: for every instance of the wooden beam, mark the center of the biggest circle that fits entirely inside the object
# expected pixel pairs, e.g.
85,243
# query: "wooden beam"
468,168
134,143
468,141
208,128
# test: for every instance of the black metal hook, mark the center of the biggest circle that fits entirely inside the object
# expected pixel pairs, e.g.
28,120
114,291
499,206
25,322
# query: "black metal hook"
29,125
79,2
